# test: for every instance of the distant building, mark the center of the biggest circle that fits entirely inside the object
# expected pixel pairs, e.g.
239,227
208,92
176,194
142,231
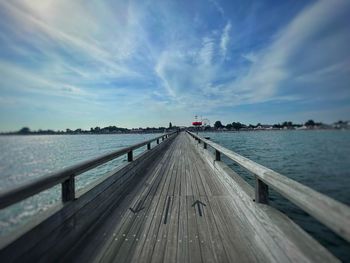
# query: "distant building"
264,127
342,125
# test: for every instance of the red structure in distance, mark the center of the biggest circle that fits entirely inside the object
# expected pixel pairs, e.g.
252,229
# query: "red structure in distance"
197,123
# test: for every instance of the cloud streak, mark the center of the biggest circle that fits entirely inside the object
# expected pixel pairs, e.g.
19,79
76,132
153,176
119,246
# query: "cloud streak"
225,39
124,56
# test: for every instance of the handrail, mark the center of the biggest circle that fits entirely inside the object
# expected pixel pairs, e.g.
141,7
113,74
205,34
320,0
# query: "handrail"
328,211
66,176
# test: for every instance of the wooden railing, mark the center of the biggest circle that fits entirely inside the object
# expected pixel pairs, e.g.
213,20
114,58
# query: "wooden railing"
328,211
66,176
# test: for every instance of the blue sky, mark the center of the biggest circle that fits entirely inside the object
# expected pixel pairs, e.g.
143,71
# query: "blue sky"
69,64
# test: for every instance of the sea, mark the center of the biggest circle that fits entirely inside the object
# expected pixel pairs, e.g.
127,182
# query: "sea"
319,159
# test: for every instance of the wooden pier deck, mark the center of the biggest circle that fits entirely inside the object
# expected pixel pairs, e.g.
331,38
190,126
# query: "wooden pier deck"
183,206
170,228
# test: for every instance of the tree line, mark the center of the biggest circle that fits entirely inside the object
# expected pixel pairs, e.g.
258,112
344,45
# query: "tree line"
92,130
286,124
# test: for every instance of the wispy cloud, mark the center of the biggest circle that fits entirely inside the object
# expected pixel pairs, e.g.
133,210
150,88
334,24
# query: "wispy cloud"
276,63
206,52
218,7
264,79
136,59
50,28
225,38
251,57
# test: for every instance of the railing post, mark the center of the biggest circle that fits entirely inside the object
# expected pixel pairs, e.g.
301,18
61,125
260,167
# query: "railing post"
205,145
130,156
68,189
157,141
162,138
148,146
217,155
199,140
261,191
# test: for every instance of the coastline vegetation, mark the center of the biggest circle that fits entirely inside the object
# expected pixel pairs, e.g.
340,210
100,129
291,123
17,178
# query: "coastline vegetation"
96,130
218,126
287,125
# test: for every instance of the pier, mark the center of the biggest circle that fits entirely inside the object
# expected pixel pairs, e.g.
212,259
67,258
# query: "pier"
175,202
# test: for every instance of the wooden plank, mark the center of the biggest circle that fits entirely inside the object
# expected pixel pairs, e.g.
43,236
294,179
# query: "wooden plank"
153,229
261,192
328,211
177,186
160,232
208,229
192,239
183,180
123,233
205,239
144,250
170,252
182,253
217,242
168,213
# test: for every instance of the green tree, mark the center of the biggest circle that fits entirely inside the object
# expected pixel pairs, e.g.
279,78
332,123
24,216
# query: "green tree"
218,125
237,125
310,123
24,130
287,124
229,126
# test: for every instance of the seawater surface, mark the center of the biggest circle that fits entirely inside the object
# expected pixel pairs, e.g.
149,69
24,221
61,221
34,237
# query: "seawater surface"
24,158
319,159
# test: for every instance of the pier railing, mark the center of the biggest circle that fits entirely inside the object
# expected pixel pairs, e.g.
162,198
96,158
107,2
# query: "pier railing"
66,176
326,210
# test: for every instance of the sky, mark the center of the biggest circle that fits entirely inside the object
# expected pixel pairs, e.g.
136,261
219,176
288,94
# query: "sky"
81,64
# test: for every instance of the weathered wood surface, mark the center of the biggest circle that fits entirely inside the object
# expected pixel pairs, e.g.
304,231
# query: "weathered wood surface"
184,207
328,211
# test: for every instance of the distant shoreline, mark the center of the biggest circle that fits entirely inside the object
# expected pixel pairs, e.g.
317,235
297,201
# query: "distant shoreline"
193,130
74,134
217,127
